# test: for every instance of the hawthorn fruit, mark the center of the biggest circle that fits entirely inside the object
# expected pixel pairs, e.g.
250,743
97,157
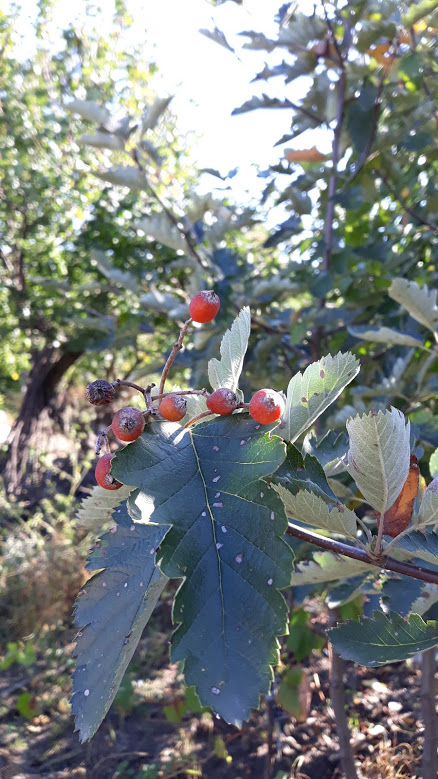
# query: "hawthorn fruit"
266,406
100,392
223,401
103,473
204,306
128,423
173,407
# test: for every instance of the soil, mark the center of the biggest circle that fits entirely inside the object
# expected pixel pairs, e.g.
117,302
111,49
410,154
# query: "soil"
141,739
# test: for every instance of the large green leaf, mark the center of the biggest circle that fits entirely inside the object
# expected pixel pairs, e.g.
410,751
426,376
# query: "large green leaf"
419,301
226,371
382,639
310,393
226,542
112,611
379,455
310,509
327,567
330,451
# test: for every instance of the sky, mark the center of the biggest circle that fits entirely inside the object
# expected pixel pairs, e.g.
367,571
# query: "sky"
207,80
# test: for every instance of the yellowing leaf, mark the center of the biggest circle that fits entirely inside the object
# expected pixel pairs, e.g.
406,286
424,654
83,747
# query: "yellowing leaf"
304,155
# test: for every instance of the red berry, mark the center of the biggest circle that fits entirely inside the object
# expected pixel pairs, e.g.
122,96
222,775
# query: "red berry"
103,473
173,407
266,406
204,306
100,392
223,401
128,423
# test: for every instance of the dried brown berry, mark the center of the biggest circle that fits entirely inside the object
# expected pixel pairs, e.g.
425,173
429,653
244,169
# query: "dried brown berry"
100,392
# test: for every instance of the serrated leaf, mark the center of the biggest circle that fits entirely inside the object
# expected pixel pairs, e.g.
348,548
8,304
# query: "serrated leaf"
398,593
383,639
311,393
226,541
89,110
326,567
226,371
422,544
433,464
379,456
310,509
298,473
384,335
427,598
160,228
97,509
345,591
112,611
419,301
103,141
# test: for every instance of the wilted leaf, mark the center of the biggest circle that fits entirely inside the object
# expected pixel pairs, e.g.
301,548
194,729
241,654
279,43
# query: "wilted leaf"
310,393
310,509
226,371
399,515
226,541
419,301
383,639
379,456
112,611
384,335
304,155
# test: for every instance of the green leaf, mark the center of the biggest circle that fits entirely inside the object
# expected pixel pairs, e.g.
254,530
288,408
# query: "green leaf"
97,509
298,473
379,455
384,335
418,11
153,113
419,301
346,591
420,544
161,229
103,141
112,610
327,567
122,176
310,509
226,371
294,693
428,512
302,639
226,541
88,110
383,639
310,393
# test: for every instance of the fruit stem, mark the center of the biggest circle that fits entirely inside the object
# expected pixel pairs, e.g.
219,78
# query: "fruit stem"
122,383
171,358
199,416
103,436
148,399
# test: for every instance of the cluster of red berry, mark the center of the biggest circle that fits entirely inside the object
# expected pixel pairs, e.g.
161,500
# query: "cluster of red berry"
128,423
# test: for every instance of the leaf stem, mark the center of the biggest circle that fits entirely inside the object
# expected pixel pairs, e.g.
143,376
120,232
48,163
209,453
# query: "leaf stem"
171,358
199,416
387,563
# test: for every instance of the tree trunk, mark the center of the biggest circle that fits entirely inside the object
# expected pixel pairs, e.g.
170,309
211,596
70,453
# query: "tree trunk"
32,432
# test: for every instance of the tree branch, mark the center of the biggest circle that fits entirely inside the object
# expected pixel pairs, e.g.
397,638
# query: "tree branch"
387,563
397,196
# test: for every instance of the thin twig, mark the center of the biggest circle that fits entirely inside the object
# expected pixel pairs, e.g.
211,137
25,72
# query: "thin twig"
198,416
387,563
171,358
429,763
204,392
172,218
337,697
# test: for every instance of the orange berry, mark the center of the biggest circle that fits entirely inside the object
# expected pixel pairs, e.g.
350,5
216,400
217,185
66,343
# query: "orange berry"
266,406
204,306
103,473
223,401
128,423
173,407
